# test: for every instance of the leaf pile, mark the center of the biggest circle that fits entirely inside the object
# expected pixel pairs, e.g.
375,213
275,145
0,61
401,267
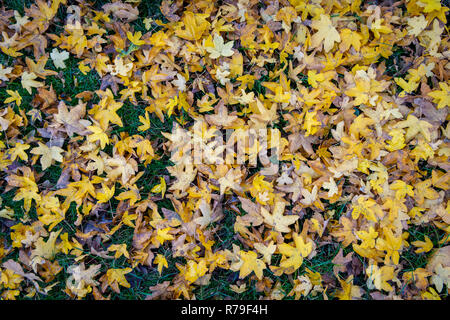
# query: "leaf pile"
98,195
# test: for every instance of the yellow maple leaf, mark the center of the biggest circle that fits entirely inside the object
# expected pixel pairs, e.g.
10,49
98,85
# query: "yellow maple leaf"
163,235
293,254
145,122
98,135
195,270
135,38
13,96
84,68
194,26
251,263
115,278
423,246
311,124
391,244
441,277
266,251
107,194
441,97
45,250
416,25
378,277
220,48
368,238
360,125
19,151
48,154
349,291
81,280
326,33
120,249
350,38
414,127
161,261
28,81
160,188
279,221
402,189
